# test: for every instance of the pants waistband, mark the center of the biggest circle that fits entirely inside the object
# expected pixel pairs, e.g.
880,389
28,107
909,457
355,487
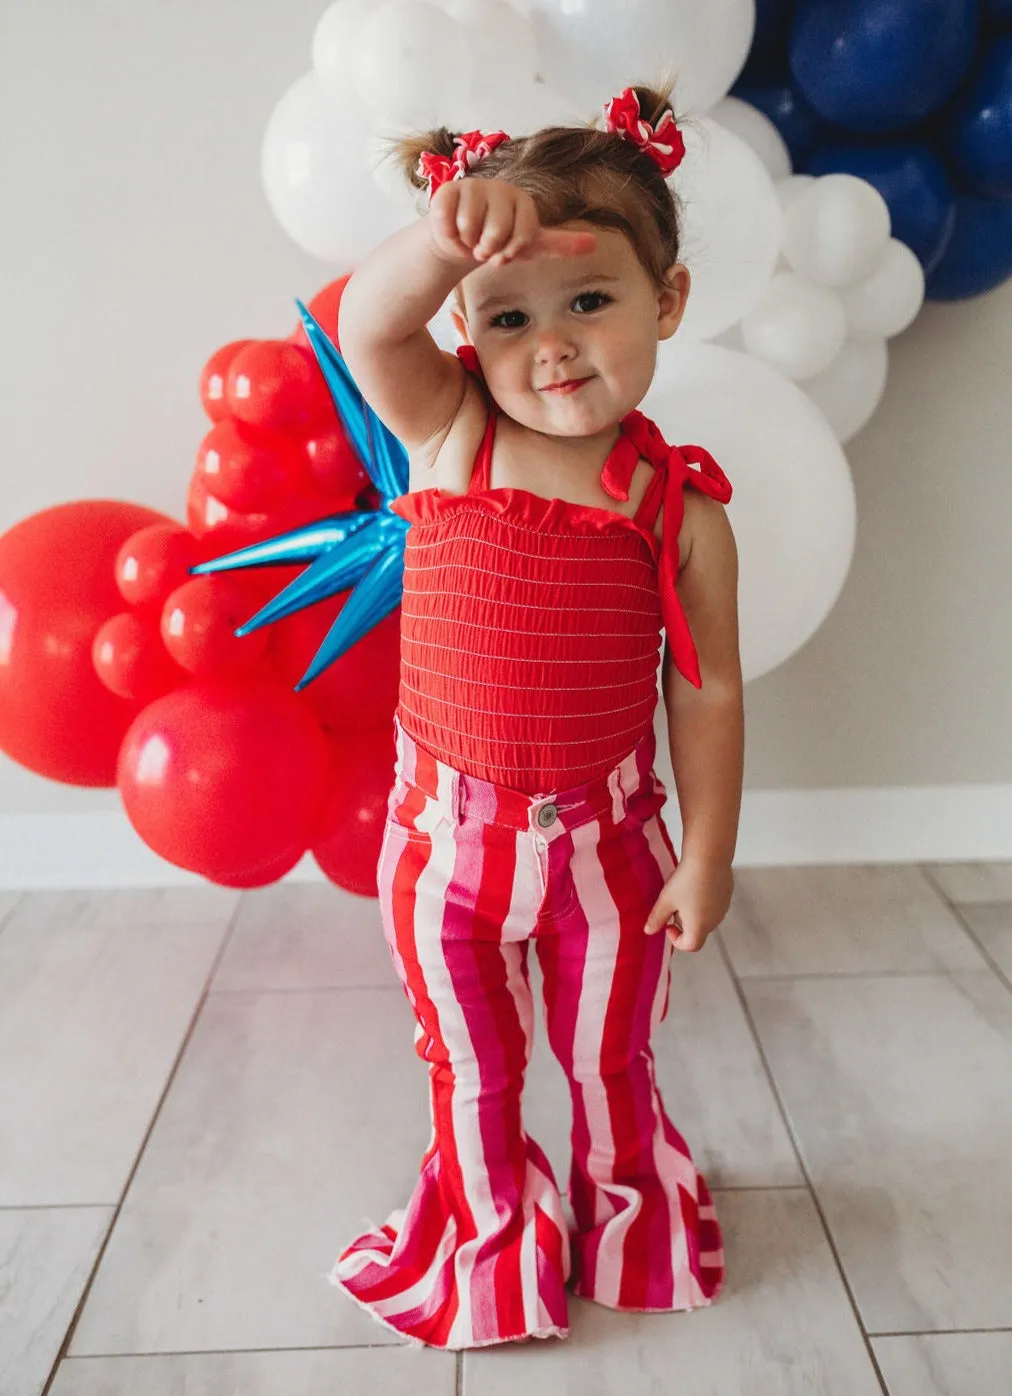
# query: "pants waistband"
466,796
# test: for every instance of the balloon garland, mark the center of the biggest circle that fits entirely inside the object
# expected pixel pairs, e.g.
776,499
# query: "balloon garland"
914,96
236,676
229,762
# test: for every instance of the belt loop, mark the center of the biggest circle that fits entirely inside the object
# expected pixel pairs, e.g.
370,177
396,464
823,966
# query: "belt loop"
617,795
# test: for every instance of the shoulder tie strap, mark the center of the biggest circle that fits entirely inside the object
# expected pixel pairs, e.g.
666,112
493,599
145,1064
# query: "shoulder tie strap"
645,440
639,437
468,356
709,477
481,468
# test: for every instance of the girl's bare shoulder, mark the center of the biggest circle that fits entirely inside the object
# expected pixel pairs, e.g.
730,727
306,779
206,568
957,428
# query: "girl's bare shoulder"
705,531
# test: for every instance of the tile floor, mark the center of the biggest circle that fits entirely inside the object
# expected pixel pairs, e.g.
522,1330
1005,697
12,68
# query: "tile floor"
204,1095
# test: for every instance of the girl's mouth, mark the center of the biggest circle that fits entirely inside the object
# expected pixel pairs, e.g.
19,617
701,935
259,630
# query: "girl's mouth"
569,386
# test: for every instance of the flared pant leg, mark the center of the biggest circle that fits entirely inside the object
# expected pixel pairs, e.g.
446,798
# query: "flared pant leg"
647,1235
481,1253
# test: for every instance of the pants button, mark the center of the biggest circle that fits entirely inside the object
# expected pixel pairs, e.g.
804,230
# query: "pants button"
547,815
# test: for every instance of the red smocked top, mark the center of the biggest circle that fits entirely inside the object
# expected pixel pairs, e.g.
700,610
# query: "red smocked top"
530,627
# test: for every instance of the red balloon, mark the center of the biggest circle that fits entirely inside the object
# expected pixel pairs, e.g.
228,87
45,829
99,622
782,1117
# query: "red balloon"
272,383
347,845
263,584
323,308
207,515
131,660
154,561
199,622
212,379
262,877
221,529
334,467
56,589
250,469
360,689
225,777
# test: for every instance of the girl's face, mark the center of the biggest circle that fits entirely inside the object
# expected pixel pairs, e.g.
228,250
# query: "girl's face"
568,345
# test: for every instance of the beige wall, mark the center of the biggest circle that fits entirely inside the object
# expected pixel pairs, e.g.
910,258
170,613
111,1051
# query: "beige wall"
909,681
136,239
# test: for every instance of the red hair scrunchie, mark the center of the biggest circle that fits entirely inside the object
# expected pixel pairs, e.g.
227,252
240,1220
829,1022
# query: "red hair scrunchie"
663,143
471,148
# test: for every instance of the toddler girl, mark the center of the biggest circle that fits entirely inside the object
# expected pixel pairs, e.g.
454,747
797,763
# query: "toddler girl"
551,539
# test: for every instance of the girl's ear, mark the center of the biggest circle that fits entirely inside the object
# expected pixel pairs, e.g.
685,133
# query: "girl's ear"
671,300
460,325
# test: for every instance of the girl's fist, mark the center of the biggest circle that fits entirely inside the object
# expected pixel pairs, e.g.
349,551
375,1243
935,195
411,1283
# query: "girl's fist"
488,220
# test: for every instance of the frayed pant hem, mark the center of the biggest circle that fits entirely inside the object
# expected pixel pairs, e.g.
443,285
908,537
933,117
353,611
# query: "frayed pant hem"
551,1332
659,1309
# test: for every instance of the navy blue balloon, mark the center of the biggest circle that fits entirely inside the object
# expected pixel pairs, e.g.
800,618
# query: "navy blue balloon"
997,12
769,42
979,255
881,65
912,180
978,129
800,127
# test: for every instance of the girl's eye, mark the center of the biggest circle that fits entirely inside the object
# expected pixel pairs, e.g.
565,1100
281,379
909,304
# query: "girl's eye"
587,301
509,320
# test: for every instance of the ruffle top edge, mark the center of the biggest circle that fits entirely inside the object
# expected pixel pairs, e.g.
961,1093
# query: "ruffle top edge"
520,507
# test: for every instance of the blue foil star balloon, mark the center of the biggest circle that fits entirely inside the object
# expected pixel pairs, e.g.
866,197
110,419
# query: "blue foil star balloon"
363,549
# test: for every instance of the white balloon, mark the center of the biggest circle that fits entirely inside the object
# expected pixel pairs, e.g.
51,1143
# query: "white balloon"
389,178
529,107
757,131
442,328
731,339
889,300
518,105
315,172
851,388
732,227
798,327
793,510
592,49
505,59
334,40
790,188
503,39
414,63
787,191
836,231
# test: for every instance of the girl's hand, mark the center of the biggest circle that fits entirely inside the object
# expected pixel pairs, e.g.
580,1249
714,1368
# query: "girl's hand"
488,220
698,897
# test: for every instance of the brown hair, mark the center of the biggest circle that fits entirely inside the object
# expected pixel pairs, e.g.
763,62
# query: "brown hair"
580,172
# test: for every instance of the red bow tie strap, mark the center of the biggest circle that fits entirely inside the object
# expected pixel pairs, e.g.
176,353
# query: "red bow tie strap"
709,477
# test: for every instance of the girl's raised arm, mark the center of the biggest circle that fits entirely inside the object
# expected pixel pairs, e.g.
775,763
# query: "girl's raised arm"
412,385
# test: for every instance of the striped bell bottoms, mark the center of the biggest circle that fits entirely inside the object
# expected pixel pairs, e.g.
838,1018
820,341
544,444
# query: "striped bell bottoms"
471,873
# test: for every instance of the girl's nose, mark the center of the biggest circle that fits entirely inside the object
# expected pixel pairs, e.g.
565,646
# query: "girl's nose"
554,348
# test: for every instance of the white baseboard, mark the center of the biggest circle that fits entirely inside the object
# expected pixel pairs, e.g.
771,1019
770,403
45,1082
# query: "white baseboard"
910,824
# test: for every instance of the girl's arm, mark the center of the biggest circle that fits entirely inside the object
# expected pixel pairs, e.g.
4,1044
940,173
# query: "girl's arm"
706,726
412,385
